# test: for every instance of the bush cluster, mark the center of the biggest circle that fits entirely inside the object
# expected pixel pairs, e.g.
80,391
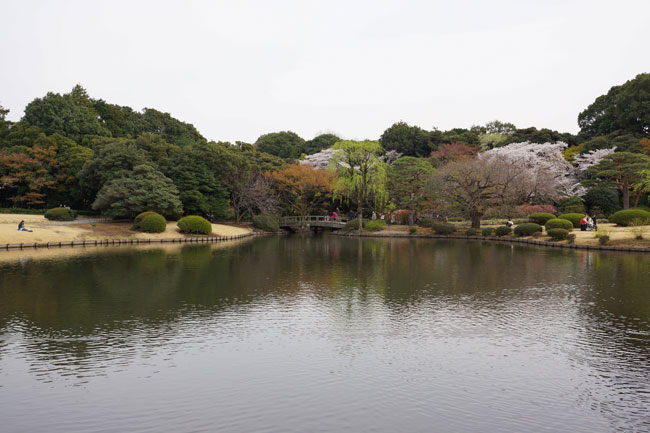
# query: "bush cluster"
471,232
558,234
443,229
573,217
374,226
456,219
631,217
540,217
412,230
503,231
153,223
426,222
603,240
60,214
194,224
557,223
527,229
486,232
267,222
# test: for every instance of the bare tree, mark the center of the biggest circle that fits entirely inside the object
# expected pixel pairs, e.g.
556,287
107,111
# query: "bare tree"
254,196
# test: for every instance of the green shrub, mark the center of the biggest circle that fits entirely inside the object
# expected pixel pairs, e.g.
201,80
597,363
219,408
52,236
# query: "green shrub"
527,229
628,217
194,224
17,210
139,217
374,226
557,223
571,238
266,222
503,231
456,219
60,214
471,232
486,232
558,234
153,223
412,230
540,217
426,222
573,217
603,240
443,229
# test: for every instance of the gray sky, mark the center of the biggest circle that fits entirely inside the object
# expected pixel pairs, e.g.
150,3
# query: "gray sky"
239,69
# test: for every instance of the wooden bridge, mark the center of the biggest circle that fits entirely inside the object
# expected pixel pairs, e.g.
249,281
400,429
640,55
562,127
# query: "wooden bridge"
312,221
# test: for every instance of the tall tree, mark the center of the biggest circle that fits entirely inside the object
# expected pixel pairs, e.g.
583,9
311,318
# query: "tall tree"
302,188
622,170
361,174
405,139
408,183
285,144
624,108
320,142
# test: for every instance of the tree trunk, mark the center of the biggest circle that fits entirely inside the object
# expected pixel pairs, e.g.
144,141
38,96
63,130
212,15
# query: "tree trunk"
476,220
626,195
638,196
411,217
360,217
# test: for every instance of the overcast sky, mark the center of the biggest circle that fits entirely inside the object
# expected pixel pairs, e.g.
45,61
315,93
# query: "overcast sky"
238,69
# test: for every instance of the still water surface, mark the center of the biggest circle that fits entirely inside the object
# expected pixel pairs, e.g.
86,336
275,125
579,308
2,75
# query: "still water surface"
325,334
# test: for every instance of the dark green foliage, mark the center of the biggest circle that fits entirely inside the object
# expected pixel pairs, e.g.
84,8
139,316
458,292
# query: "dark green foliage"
527,229
604,198
144,188
154,223
456,219
71,115
405,139
557,223
603,240
18,210
320,142
426,222
60,214
412,230
284,144
443,229
195,225
487,231
572,204
374,226
558,234
472,232
352,224
173,130
139,217
266,222
573,217
544,135
630,217
571,238
623,143
503,231
624,109
540,217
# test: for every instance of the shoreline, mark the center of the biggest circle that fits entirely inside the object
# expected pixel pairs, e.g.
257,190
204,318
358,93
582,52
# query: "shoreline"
503,239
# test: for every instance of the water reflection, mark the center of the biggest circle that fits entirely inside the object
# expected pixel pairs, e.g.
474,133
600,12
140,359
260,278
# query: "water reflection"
476,336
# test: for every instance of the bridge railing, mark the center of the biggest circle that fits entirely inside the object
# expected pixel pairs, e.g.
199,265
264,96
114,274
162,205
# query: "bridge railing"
311,219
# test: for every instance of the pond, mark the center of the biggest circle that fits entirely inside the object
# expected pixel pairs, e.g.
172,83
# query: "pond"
318,333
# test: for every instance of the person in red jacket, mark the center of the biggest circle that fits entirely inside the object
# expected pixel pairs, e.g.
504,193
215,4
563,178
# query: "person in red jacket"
583,223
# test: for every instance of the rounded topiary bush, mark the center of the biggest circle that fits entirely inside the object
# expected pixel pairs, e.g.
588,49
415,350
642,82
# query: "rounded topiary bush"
540,217
266,222
153,223
486,231
374,226
503,231
471,232
194,224
60,214
558,234
527,229
573,217
557,223
630,217
443,229
426,222
141,215
352,224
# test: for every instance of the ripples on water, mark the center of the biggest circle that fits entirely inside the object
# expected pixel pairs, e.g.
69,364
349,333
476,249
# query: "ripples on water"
326,334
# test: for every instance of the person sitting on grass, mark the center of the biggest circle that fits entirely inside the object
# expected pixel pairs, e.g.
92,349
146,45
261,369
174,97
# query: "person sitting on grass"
22,228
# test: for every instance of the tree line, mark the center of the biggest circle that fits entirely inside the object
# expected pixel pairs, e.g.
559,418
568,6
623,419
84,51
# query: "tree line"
70,149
